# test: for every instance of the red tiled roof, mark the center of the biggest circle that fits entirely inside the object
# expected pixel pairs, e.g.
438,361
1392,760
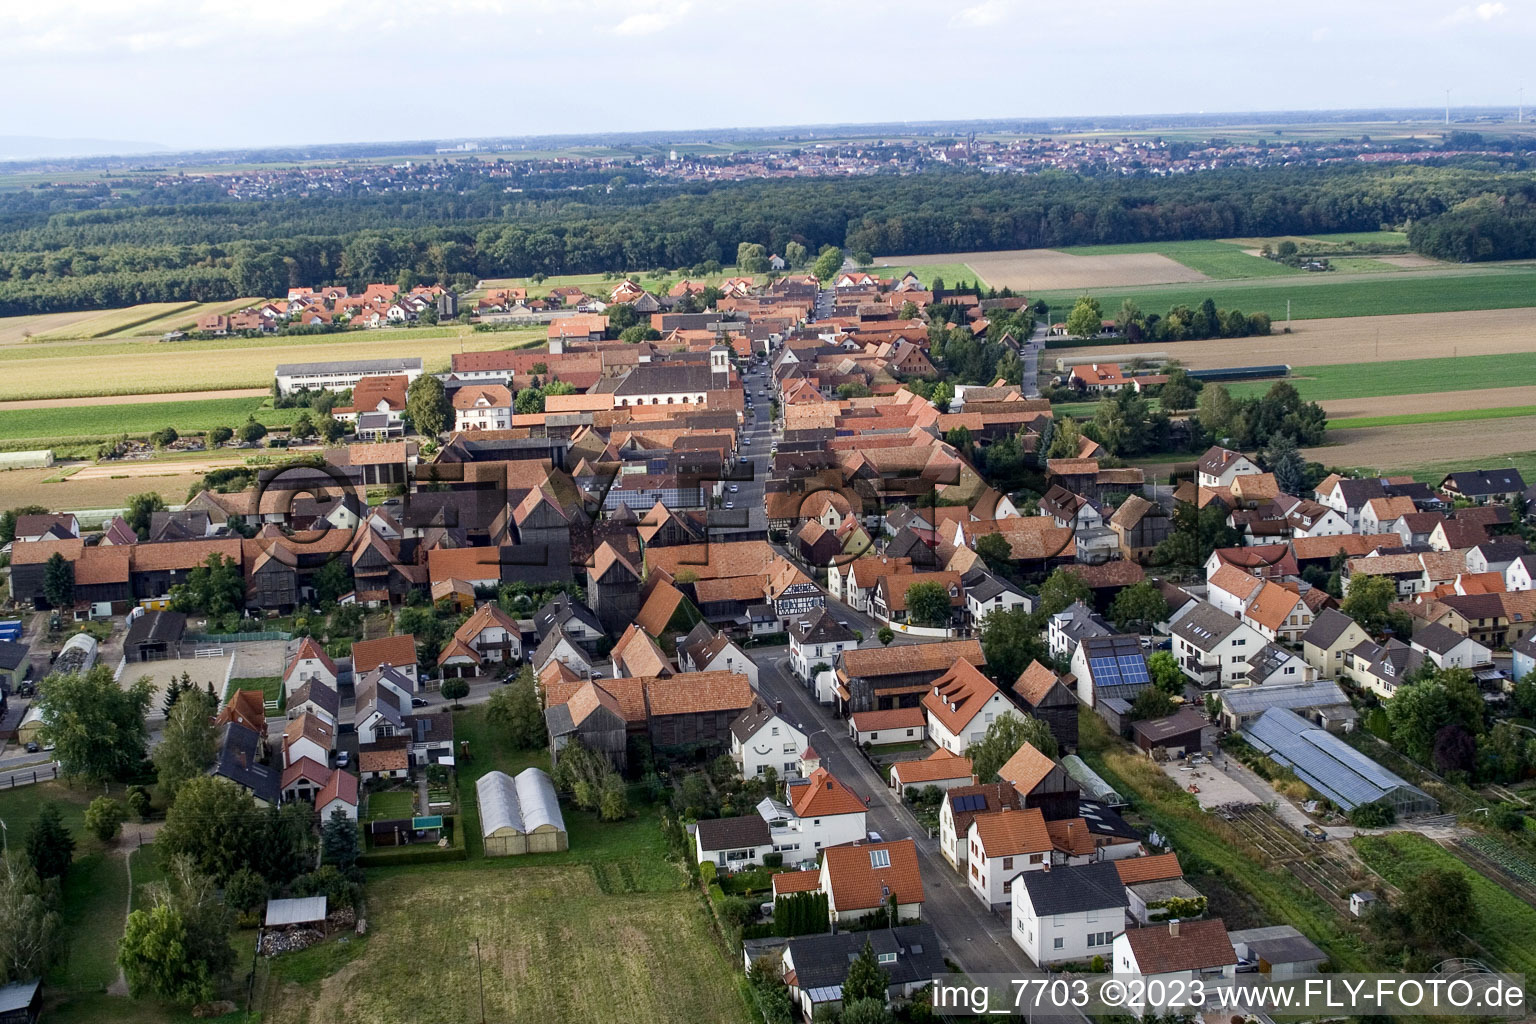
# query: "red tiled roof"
856,884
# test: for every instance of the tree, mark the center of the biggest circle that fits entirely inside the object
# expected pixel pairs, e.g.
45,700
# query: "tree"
29,921
158,960
1153,702
865,1011
751,258
141,508
639,333
50,846
1368,601
216,588
1216,411
426,403
795,255
1422,707
1086,318
828,263
104,819
338,841
1060,591
529,401
1163,667
928,604
1439,902
251,430
246,891
1066,441
97,727
187,744
214,822
1285,461
332,581
994,549
866,978
1179,393
516,708
454,690
885,636
1137,607
59,581
303,427
613,799
1010,638
9,517
1003,738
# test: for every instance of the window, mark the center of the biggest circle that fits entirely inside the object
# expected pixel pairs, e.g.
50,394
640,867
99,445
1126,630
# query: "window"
1007,863
879,858
774,731
761,768
886,958
1100,938
1058,943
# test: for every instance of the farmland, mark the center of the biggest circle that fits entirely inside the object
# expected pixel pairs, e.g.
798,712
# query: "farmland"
1341,340
136,418
1404,449
1216,260
113,320
182,319
1403,377
1506,926
75,491
1315,296
1032,270
124,367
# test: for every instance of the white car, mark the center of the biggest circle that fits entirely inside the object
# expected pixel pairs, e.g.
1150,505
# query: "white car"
734,488
730,504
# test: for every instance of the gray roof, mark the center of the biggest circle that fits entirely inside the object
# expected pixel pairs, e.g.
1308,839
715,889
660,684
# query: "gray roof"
1329,625
1329,765
1258,699
302,910
1094,886
821,627
157,628
560,611
1269,659
1077,621
546,649
1205,626
743,832
1485,481
18,995
523,804
821,961
12,654
1276,944
1437,639
317,691
661,378
1181,723
1102,820
238,762
987,585
1526,644
401,365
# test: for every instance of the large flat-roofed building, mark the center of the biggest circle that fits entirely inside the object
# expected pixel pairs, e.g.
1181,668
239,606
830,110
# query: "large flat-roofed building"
338,376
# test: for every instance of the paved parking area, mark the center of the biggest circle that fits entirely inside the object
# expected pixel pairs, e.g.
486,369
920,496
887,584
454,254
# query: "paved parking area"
1216,786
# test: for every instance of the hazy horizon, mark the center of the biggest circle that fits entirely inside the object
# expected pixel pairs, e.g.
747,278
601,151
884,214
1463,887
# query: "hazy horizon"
315,72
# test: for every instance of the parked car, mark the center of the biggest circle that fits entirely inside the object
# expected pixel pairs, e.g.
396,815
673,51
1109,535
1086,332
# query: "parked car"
32,747
419,702
343,758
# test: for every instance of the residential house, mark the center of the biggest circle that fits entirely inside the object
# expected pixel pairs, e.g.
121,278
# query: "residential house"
817,639
1449,649
558,648
1212,648
304,779
1069,627
820,812
1481,486
314,697
1219,467
340,793
241,758
309,662
960,807
762,738
705,650
862,879
1069,914
1001,846
816,966
940,769
1331,635
1278,665
892,726
961,705
482,407
1278,613
1110,667
489,641
986,592
1382,668
308,736
397,652
732,843
1176,953
1523,656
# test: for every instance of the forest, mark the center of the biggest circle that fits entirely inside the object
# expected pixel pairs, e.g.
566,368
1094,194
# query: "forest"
65,248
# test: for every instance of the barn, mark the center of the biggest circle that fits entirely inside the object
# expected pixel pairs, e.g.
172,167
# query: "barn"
520,815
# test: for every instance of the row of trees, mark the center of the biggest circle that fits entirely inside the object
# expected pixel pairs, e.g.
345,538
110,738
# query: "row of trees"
69,253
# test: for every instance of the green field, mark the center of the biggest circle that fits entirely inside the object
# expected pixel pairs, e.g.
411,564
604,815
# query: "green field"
1506,926
1434,472
1218,260
1315,296
392,806
182,319
1362,265
114,320
137,418
950,273
1403,377
1450,416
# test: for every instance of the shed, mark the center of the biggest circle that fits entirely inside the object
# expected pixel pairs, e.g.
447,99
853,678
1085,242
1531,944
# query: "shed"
154,636
520,815
1279,951
1090,782
1361,902
21,1002
1177,734
302,912
31,728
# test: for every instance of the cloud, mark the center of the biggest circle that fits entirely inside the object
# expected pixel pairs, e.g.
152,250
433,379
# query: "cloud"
989,12
1481,12
644,23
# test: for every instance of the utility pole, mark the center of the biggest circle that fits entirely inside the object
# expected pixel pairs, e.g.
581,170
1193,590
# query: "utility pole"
1520,114
1447,106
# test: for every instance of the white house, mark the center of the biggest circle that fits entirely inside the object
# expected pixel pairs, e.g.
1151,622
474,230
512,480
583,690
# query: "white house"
482,407
1002,845
1220,466
893,725
1069,914
1521,574
1230,589
338,794
1175,953
940,769
1067,628
960,807
817,637
557,646
716,653
308,736
381,708
309,662
1523,662
1212,648
762,738
732,843
1382,515
862,879
821,812
1449,649
961,704
1276,664
986,593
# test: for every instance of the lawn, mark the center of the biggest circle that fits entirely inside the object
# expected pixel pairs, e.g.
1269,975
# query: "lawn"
951,273
1447,416
392,806
1218,260
1202,839
271,687
137,418
547,945
1403,377
1506,925
1316,295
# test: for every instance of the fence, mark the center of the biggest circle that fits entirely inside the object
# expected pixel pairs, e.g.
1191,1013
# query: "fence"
234,638
28,776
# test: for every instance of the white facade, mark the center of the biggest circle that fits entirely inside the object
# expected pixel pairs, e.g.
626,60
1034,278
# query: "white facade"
776,744
303,747
990,878
973,730
483,415
731,658
1519,575
1060,938
292,377
805,657
802,838
1124,962
1240,466
1229,655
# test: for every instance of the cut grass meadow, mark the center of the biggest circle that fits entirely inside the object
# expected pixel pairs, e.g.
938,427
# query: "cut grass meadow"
1447,416
1315,296
1403,377
1217,260
111,320
74,422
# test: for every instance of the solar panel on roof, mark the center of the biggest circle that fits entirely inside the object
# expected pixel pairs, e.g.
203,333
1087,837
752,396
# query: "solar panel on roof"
970,802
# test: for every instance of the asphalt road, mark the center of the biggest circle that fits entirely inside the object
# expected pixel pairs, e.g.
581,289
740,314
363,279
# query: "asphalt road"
974,937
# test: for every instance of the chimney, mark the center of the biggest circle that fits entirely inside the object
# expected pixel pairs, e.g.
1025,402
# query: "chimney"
778,706
1173,928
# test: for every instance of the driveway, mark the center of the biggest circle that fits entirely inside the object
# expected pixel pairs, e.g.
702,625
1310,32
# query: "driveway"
974,937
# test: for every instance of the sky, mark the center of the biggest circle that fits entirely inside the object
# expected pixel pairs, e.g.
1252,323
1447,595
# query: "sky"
211,74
